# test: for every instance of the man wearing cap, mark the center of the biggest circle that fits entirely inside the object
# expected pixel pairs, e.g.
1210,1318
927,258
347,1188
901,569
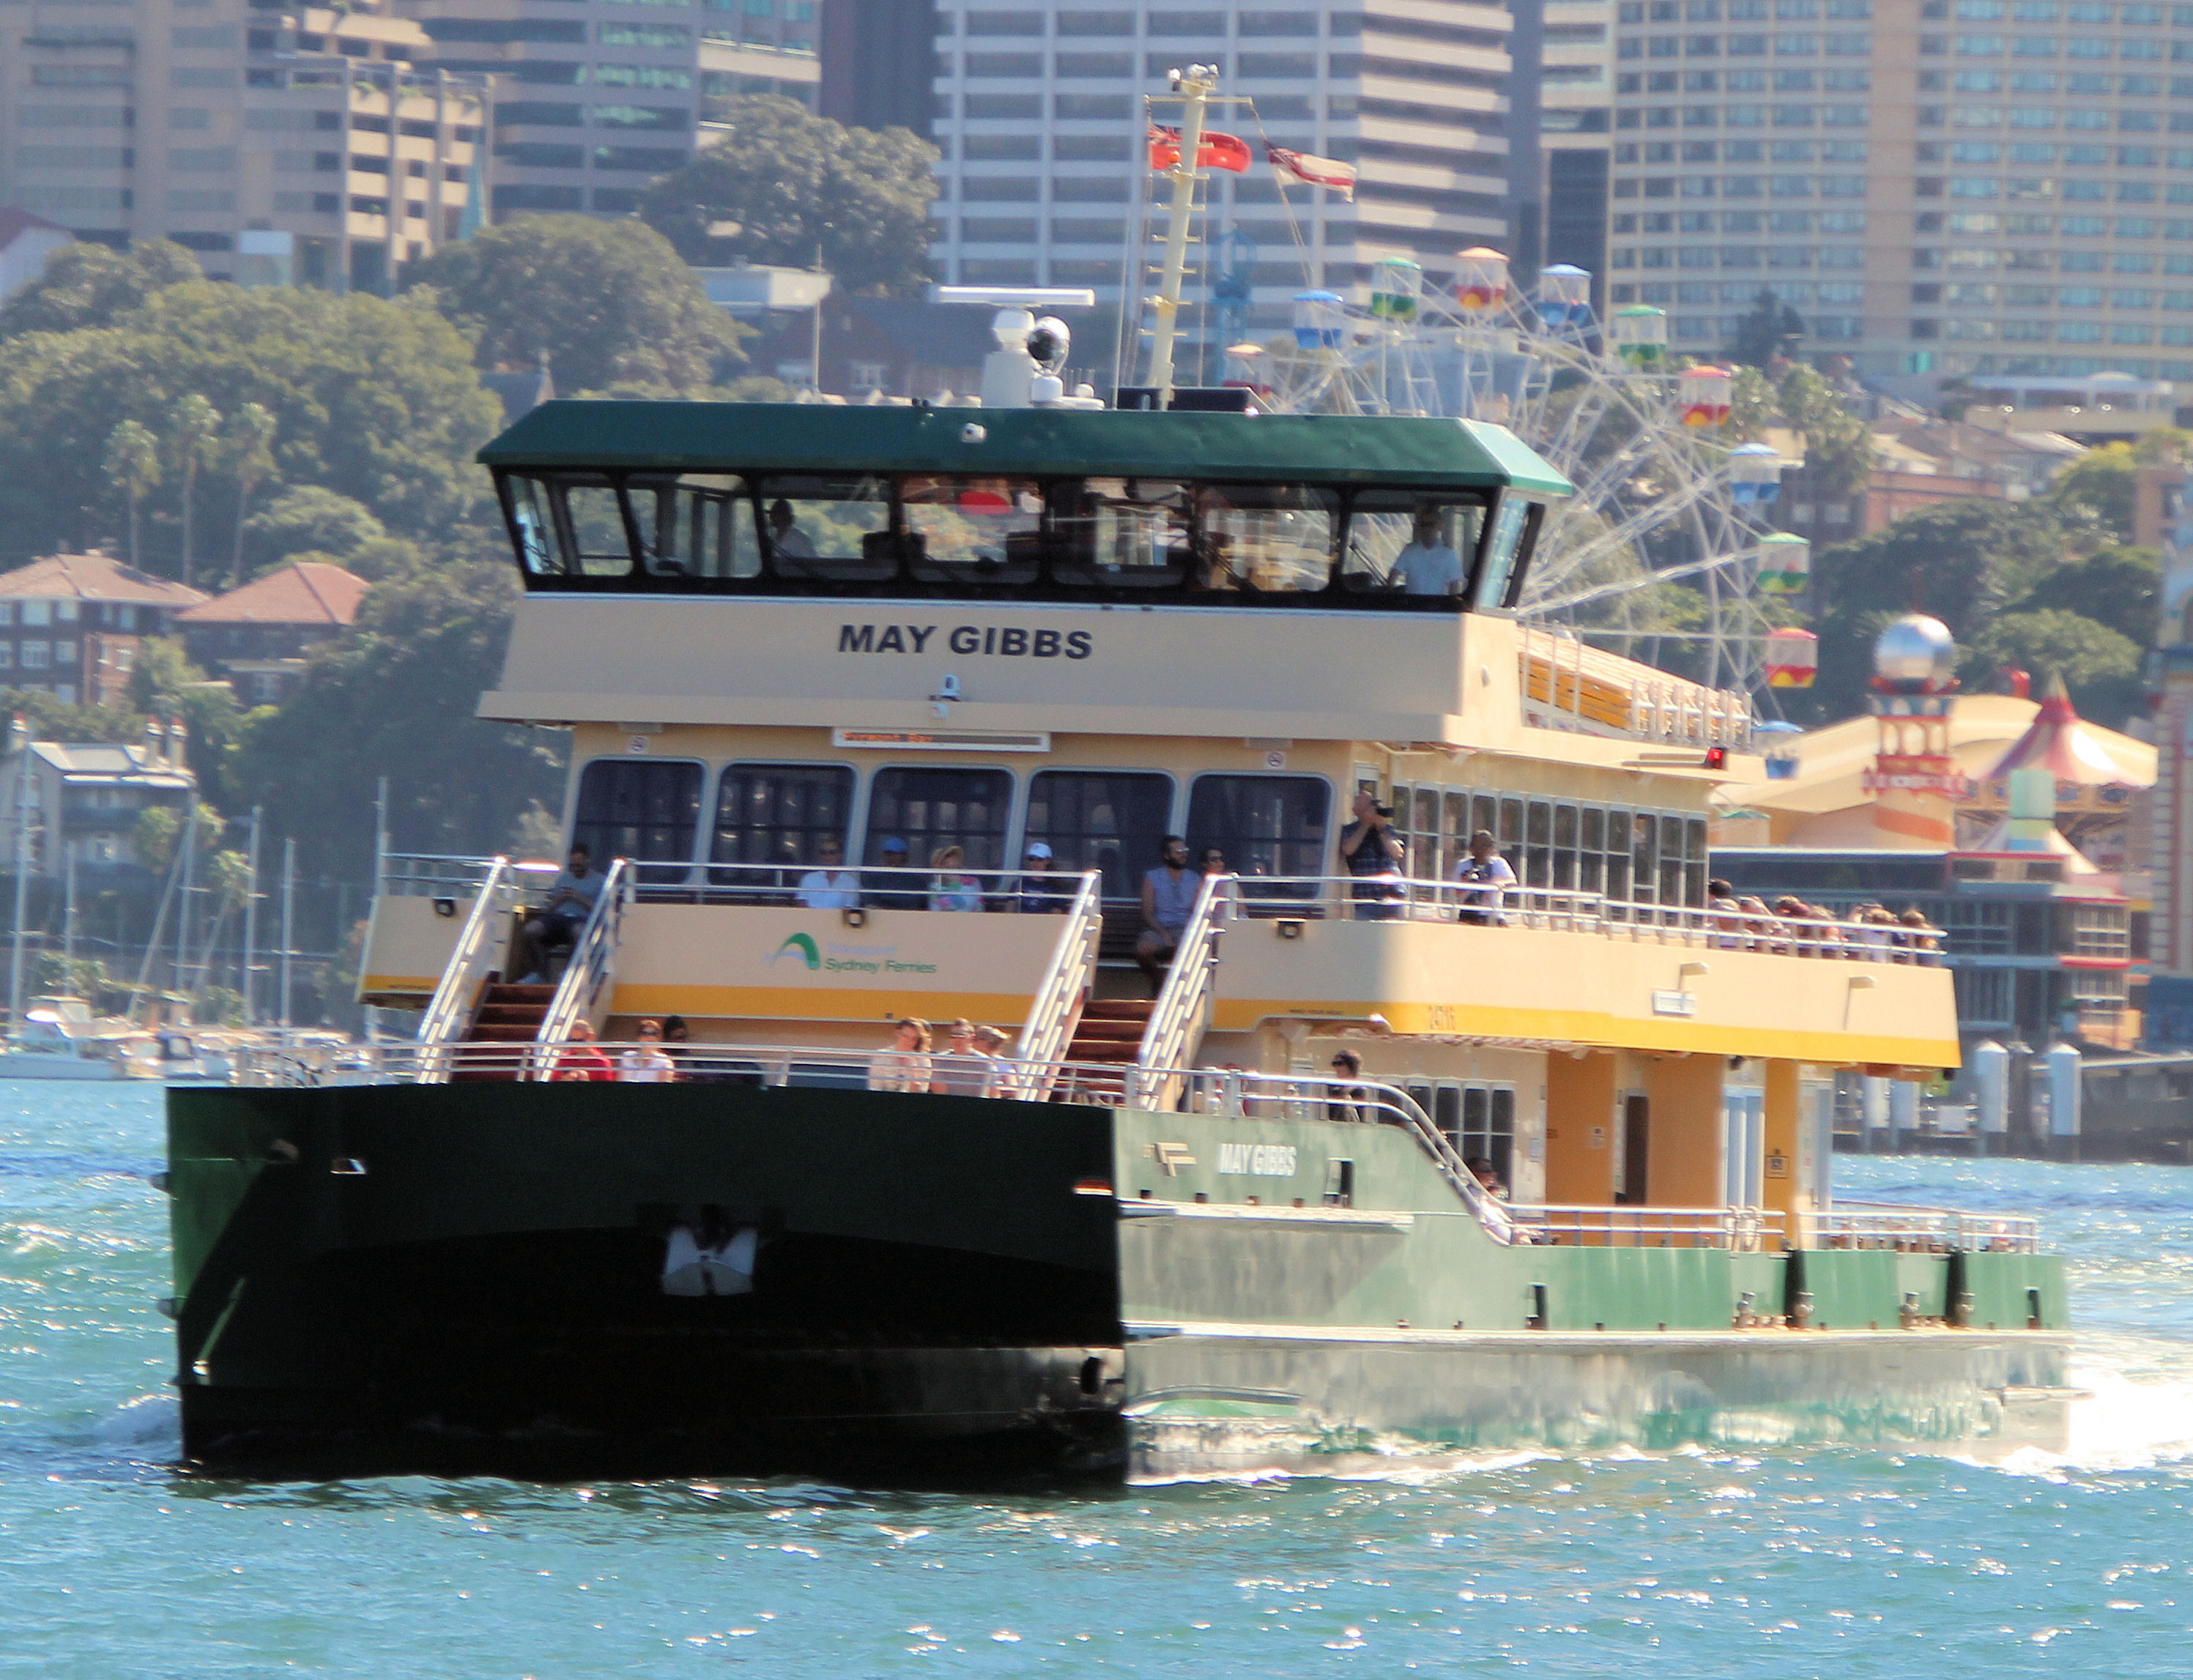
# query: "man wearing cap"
1043,890
899,891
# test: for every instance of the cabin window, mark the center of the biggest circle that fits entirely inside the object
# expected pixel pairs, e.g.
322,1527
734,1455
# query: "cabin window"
1268,825
1538,847
1498,570
1565,848
834,529
1591,856
778,813
646,810
698,525
1645,858
532,525
591,528
1618,856
932,807
1270,539
1408,543
973,530
1121,532
1477,1120
1108,820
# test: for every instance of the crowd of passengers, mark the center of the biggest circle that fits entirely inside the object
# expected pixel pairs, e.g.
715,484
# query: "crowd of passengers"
663,1052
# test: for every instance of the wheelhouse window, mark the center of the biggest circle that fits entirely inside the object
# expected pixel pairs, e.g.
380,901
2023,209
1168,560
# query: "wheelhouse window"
1122,533
836,529
571,523
1270,539
1107,820
1400,542
1267,826
1497,576
696,525
929,807
645,809
972,530
777,814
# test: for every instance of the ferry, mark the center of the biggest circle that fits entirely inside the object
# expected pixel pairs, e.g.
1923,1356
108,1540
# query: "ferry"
836,679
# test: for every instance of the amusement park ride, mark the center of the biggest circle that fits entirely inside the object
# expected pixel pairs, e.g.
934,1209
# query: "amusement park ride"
1663,491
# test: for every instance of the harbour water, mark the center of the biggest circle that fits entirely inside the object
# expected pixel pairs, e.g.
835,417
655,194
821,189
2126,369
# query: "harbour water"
1839,1563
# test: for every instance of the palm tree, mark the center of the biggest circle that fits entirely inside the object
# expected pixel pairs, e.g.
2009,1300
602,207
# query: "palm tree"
252,461
133,461
196,421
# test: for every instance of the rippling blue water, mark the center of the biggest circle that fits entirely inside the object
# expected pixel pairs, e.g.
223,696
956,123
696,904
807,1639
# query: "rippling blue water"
1805,1564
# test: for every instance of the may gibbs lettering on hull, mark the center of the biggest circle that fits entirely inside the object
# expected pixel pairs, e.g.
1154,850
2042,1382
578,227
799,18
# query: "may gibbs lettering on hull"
1006,641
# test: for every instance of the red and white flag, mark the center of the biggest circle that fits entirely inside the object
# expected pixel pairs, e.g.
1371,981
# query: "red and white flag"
1329,173
1214,151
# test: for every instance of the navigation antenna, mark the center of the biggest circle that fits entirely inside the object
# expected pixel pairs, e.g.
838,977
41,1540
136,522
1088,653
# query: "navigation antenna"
1194,87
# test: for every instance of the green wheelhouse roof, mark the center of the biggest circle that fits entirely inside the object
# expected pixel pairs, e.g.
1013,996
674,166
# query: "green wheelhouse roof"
804,438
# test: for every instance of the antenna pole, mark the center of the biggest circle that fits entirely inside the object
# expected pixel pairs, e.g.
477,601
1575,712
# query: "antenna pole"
1195,86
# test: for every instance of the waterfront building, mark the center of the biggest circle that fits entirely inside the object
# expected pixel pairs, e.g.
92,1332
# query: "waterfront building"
71,626
26,242
257,637
1982,188
81,802
284,147
1040,119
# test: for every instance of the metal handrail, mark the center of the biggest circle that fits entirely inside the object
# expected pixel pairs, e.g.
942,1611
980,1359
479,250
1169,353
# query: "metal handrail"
593,962
1643,1226
1056,1011
1399,898
1899,1225
1182,1009
450,1009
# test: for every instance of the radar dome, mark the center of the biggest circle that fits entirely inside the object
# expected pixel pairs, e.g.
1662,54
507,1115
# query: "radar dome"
1915,655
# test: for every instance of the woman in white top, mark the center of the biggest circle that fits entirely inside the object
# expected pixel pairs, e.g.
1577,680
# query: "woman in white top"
647,1065
906,1065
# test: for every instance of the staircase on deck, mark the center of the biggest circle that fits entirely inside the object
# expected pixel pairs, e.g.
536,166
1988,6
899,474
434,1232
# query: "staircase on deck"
1109,1033
506,1014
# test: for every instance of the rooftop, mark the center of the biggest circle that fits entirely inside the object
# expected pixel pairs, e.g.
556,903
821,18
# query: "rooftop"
302,592
93,577
15,223
102,761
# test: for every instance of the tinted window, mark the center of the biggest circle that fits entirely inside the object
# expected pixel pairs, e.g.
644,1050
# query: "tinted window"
1101,820
1121,532
1409,545
642,810
1270,539
700,525
1503,550
837,529
973,530
591,527
931,808
779,813
1265,825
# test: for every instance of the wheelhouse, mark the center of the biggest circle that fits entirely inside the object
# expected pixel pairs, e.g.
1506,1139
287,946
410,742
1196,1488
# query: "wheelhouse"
1025,505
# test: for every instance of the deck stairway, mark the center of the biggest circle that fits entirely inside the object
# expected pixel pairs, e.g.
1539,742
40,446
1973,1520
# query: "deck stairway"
508,1014
1109,1033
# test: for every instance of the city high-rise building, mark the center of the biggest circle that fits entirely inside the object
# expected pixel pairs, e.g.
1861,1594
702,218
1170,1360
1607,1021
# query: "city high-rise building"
1576,91
879,63
1939,188
297,145
1040,119
595,99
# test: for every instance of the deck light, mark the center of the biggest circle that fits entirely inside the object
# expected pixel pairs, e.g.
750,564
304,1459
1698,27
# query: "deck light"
854,917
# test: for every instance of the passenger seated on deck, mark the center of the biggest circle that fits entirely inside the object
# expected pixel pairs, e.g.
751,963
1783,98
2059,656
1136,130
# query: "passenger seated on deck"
555,926
951,887
1043,890
831,887
962,1070
1168,899
897,890
1499,1225
582,1061
647,1065
905,1066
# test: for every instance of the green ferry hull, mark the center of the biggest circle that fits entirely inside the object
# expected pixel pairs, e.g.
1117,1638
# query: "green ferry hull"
471,1277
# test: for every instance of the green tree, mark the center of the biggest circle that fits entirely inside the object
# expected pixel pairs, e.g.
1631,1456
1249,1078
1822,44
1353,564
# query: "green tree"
783,183
605,301
373,400
133,461
191,439
397,697
250,459
88,284
1838,444
158,833
1769,331
165,683
2100,666
310,518
2099,489
2116,585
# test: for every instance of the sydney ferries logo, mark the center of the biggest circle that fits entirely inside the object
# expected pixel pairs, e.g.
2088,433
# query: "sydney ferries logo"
833,957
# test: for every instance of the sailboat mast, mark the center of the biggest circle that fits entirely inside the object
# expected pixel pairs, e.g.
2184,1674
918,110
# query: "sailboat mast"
1195,86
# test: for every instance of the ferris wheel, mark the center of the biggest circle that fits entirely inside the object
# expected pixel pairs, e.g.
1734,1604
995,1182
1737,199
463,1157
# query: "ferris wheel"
1663,492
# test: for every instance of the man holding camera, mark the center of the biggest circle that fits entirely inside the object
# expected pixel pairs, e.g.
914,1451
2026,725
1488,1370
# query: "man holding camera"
1372,853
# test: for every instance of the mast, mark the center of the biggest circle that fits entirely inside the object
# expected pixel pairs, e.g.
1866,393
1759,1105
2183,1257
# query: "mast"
251,916
19,740
1196,85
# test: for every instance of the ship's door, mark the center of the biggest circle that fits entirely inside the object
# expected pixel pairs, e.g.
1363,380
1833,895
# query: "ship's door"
1636,1117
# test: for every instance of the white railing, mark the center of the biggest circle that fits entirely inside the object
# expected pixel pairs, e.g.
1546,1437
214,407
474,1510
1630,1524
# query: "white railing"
1057,1010
592,965
1625,1227
429,875
1912,1230
1646,705
449,1012
1182,1008
1395,898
